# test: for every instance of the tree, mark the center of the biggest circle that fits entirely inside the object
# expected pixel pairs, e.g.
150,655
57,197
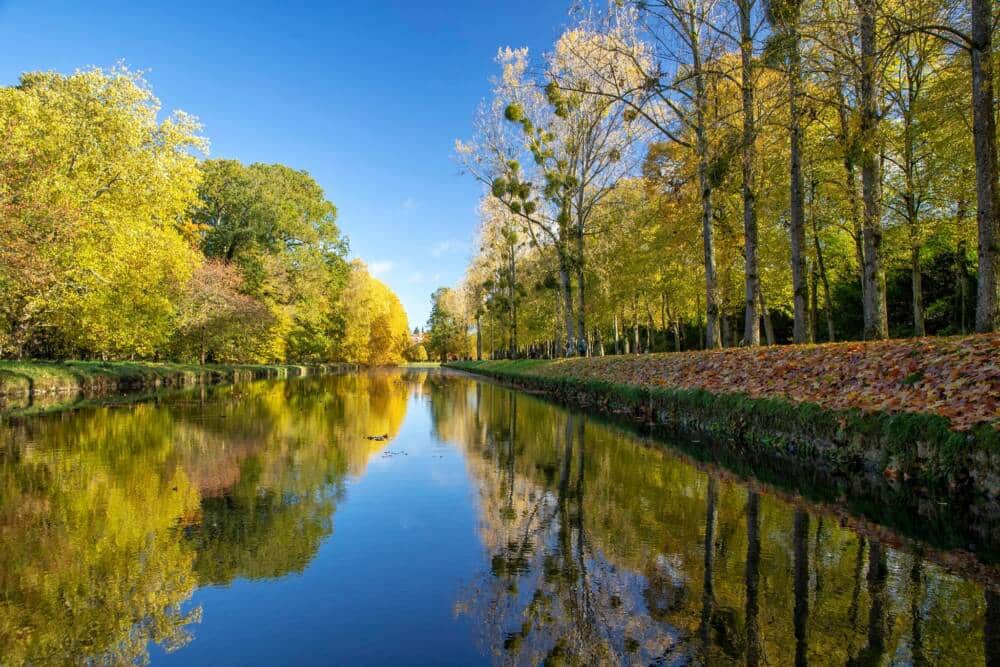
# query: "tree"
751,320
579,146
784,16
447,331
217,321
275,224
375,329
416,353
873,278
666,53
984,130
95,196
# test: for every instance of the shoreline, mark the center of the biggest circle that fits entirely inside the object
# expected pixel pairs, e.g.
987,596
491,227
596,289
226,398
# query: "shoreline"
24,383
912,450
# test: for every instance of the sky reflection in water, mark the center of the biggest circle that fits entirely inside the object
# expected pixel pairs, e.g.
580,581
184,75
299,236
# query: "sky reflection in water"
257,524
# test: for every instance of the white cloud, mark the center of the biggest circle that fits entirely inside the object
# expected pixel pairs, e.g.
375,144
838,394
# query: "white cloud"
411,204
379,268
421,278
447,246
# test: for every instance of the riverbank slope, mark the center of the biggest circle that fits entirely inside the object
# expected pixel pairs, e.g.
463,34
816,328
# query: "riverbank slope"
923,410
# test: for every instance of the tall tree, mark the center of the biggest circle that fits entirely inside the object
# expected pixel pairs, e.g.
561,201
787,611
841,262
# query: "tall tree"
873,278
751,321
984,128
665,55
785,48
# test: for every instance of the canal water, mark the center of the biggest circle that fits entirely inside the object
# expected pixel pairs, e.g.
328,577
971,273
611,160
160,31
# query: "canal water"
427,517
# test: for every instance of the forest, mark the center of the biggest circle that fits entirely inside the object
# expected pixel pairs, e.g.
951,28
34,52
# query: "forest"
122,240
687,174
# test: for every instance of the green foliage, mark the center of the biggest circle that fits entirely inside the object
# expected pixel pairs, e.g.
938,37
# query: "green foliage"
94,194
447,335
119,243
416,353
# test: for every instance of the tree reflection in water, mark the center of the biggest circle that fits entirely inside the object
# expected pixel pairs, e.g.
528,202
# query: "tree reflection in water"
605,549
110,518
598,547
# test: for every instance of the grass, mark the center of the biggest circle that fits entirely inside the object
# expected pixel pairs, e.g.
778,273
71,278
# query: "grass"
420,364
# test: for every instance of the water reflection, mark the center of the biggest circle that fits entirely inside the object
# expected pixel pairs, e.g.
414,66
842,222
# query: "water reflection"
603,549
110,518
596,547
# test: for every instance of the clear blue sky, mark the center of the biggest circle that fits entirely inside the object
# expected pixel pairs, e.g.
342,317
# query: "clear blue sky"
366,96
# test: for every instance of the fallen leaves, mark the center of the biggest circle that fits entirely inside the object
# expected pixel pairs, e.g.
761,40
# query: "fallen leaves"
957,378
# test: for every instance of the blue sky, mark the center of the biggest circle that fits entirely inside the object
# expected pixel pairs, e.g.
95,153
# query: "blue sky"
366,96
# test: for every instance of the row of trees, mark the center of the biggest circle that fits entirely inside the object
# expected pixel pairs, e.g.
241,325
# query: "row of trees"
697,173
119,241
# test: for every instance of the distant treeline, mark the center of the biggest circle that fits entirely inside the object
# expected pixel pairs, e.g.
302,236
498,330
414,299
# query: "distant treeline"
120,241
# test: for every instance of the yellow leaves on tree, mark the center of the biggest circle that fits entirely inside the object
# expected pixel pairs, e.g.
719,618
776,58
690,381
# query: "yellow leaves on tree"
89,148
376,331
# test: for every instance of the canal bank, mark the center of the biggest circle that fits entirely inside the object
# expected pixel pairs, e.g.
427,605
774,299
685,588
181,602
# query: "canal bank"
24,383
757,417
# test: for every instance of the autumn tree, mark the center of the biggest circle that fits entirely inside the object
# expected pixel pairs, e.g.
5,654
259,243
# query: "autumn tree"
95,197
447,327
217,321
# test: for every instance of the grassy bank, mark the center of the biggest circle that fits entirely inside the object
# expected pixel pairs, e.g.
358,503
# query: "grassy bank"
749,410
26,380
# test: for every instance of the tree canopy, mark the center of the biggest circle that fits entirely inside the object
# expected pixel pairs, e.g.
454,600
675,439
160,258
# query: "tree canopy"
688,174
122,241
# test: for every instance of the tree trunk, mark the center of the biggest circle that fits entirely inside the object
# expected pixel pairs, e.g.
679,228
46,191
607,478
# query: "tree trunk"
873,302
567,294
850,179
615,326
649,331
962,278
800,287
751,320
912,209
664,321
492,354
918,291
704,182
768,325
581,315
827,303
813,301
479,338
513,303
635,323
984,134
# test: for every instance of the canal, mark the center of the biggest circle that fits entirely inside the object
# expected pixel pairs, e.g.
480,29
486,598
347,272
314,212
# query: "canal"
428,517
